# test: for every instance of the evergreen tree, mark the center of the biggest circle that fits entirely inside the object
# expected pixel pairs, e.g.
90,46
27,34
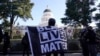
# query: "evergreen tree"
79,11
97,17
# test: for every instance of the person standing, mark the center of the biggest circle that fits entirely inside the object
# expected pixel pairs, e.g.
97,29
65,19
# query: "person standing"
6,44
91,40
52,22
1,35
83,42
25,43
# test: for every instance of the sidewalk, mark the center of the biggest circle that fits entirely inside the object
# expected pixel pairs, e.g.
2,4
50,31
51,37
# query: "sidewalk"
67,54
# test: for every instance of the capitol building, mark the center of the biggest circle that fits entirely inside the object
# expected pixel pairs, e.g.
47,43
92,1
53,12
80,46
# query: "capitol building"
47,14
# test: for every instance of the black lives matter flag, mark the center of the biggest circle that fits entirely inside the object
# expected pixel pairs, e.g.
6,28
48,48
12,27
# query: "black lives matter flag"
45,40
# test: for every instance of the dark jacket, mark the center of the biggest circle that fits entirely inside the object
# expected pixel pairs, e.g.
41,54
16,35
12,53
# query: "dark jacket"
25,40
1,35
6,38
90,37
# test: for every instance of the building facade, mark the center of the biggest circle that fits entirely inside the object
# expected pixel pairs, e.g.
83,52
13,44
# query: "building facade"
47,14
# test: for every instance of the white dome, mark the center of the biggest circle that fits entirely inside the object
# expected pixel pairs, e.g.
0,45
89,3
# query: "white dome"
46,16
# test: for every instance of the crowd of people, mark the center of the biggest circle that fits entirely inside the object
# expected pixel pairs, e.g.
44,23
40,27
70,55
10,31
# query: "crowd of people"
88,41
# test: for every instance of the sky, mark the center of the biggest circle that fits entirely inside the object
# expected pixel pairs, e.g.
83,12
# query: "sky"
57,7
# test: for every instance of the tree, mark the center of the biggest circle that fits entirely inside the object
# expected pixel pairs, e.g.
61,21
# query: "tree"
64,21
97,16
5,25
79,11
14,9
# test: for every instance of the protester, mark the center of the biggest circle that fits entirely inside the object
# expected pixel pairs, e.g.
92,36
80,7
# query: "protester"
88,42
91,39
1,35
83,42
52,22
25,43
6,44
